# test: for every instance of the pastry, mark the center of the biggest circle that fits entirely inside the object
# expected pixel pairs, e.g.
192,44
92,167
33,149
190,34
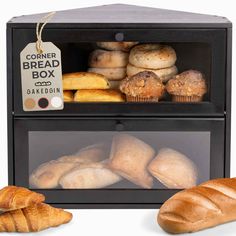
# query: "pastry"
92,153
116,46
189,86
33,218
93,175
164,74
68,96
152,56
129,158
12,197
98,95
118,73
173,169
48,174
142,87
84,80
108,59
207,205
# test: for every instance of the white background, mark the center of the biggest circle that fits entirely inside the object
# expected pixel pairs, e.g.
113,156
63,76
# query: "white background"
106,222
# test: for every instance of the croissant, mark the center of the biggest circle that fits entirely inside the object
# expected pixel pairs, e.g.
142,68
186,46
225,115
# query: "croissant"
33,218
207,205
13,197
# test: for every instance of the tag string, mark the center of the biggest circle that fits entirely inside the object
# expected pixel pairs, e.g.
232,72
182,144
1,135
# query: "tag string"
39,29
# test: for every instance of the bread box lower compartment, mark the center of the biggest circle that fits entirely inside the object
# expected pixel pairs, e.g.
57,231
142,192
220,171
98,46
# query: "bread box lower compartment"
105,162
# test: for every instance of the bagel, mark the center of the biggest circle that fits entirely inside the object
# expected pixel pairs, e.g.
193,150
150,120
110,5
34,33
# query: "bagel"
110,73
152,56
116,46
164,74
108,59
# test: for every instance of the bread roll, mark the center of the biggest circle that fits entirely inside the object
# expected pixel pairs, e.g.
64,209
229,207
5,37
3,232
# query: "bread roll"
93,175
152,56
84,80
116,46
118,73
173,169
96,95
129,158
207,205
108,59
92,153
164,74
68,96
48,174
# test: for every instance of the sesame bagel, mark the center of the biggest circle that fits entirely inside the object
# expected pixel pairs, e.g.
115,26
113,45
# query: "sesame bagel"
114,46
108,59
110,73
164,74
152,56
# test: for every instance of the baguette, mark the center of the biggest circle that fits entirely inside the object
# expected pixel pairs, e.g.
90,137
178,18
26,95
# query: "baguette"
207,205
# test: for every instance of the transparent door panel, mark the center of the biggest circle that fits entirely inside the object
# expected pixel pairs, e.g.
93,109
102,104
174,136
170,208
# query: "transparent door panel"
118,160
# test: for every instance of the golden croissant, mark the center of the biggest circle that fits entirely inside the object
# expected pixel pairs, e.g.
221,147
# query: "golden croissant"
13,197
33,218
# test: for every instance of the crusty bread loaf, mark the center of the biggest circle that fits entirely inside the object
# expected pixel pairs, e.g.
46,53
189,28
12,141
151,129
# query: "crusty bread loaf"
108,59
84,80
98,95
207,205
111,74
92,175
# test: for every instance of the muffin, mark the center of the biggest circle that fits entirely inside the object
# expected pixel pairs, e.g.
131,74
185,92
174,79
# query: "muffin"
189,86
144,86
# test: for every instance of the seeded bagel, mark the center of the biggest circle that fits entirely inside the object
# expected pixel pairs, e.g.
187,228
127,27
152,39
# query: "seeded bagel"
114,46
108,59
152,56
164,74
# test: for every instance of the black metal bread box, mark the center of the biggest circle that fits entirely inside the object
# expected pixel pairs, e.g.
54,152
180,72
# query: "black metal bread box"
190,141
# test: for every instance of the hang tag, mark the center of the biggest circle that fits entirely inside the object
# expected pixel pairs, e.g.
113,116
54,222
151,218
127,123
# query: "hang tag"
41,78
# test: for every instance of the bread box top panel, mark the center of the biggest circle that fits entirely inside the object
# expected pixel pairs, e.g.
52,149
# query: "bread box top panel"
124,16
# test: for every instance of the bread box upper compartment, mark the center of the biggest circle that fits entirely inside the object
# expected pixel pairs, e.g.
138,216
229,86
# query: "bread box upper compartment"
95,40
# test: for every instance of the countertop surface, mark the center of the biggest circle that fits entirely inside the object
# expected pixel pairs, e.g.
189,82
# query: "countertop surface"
121,222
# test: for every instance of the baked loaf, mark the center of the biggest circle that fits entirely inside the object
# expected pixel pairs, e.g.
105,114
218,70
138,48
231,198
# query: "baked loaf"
207,205
129,158
189,86
12,197
84,80
48,174
116,46
152,56
173,169
93,175
108,59
33,218
68,96
164,74
98,95
117,73
92,153
144,86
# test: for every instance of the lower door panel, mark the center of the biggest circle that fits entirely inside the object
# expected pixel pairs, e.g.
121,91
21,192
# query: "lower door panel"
105,162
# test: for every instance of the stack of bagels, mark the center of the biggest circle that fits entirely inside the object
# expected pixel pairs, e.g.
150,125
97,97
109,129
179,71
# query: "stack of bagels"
111,60
157,58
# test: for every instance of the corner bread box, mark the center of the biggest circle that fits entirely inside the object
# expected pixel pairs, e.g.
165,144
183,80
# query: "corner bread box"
146,106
